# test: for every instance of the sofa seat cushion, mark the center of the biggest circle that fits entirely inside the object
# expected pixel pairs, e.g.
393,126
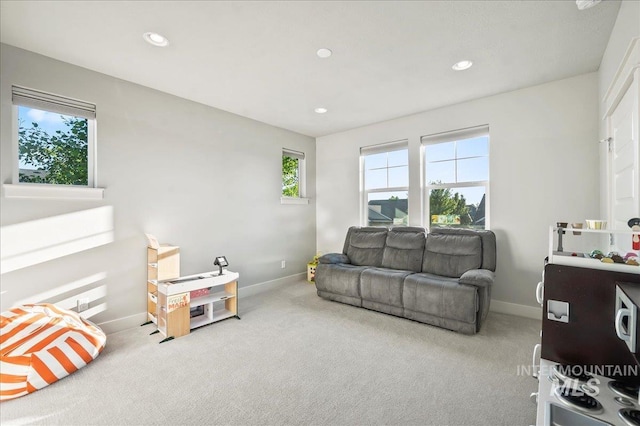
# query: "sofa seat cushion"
383,286
404,249
340,278
440,296
364,246
451,255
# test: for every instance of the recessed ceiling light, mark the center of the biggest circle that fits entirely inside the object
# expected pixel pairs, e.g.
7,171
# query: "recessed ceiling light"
324,53
462,65
586,4
155,39
320,110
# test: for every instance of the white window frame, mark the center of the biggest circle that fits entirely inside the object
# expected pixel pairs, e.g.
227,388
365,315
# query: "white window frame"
456,135
364,193
44,101
302,177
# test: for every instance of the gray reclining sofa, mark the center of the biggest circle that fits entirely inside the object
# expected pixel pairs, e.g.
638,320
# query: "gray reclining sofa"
442,278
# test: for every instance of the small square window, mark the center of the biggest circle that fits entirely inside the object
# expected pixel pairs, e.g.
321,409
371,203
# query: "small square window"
55,139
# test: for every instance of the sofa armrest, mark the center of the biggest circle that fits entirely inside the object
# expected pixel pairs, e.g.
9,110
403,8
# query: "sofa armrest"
478,277
483,280
334,258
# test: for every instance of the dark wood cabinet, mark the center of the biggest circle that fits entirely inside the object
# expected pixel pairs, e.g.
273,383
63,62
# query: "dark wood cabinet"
589,337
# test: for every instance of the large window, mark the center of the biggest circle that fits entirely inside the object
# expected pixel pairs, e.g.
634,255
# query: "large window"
55,139
385,178
293,174
456,173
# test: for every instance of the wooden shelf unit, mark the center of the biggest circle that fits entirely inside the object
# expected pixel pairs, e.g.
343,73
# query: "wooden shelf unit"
163,263
175,302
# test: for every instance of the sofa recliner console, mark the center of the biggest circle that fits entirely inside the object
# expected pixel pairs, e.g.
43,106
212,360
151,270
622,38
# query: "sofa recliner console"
442,278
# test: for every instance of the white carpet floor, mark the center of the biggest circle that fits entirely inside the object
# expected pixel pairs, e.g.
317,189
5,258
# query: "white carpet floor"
295,358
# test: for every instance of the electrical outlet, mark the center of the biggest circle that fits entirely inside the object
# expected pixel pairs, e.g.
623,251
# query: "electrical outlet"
283,264
83,304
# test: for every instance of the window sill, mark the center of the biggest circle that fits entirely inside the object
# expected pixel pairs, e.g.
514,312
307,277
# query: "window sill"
292,200
52,192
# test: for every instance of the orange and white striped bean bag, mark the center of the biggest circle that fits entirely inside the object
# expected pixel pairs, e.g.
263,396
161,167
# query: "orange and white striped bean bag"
42,343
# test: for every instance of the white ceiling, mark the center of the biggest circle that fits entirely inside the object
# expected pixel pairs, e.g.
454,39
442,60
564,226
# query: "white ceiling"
258,59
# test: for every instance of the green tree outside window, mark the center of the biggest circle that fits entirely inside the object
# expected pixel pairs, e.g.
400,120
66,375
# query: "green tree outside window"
445,202
59,158
290,176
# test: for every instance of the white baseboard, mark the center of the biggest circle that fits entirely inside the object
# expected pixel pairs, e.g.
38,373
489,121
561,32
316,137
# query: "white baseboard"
135,320
533,312
270,285
120,324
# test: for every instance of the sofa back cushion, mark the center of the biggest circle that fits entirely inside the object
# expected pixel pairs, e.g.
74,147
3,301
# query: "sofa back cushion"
451,255
404,249
365,245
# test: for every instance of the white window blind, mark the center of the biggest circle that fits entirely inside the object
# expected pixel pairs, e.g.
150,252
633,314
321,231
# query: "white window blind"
457,135
385,147
292,154
55,103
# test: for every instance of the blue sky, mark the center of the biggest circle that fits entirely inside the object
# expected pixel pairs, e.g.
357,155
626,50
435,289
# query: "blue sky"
48,121
450,162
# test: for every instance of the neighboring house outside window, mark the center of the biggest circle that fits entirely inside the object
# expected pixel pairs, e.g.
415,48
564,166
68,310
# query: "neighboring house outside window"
293,174
55,139
456,171
385,184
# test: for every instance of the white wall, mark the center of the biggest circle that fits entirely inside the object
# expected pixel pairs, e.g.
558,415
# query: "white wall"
201,178
543,169
627,27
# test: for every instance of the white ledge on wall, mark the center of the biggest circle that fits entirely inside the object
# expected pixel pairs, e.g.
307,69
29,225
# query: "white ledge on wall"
292,200
52,191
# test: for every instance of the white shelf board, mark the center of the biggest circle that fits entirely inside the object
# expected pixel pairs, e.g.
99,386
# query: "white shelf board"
293,200
196,282
218,315
211,298
584,262
33,190
596,231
